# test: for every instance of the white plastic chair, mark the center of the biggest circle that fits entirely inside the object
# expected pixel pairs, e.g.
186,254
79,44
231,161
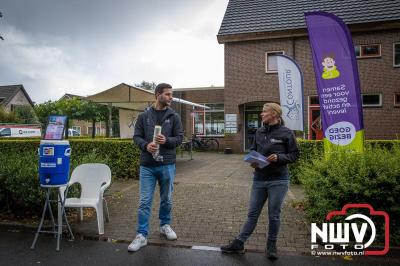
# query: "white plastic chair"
94,178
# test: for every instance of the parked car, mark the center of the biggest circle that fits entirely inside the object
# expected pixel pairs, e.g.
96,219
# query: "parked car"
5,132
73,133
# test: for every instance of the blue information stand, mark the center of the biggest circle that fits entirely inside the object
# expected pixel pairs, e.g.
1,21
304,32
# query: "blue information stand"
54,163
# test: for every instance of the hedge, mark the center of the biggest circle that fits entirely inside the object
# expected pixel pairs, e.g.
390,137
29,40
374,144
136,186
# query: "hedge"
19,190
121,155
372,177
313,149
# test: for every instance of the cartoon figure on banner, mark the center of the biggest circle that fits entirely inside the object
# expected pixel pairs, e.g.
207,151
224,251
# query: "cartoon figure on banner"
330,70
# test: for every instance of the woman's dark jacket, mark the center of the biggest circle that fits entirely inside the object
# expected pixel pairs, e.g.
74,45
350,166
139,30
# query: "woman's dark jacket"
281,141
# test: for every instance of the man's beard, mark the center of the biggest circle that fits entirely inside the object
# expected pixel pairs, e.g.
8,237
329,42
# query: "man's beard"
165,103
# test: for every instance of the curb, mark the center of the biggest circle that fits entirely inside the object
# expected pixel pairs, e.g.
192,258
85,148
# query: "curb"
394,252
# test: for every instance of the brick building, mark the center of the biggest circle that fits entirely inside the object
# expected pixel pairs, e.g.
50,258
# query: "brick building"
204,123
254,31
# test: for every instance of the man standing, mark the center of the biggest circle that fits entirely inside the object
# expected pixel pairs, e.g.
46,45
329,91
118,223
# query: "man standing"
157,163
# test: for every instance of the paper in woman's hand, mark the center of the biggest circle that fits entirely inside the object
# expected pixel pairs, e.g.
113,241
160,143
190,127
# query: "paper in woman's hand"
255,157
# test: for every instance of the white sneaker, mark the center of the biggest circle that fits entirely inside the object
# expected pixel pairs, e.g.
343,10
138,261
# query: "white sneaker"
168,232
137,243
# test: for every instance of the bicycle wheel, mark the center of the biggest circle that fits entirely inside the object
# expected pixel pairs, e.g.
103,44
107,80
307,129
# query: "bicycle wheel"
212,144
195,145
186,146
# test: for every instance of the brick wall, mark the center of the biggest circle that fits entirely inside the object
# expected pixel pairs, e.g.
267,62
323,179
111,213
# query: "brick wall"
246,80
200,97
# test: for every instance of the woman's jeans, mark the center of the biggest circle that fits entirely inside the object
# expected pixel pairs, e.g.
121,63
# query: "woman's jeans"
275,191
164,174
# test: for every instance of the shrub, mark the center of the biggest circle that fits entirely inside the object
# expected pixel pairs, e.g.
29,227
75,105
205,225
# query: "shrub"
19,183
310,149
20,192
372,177
121,155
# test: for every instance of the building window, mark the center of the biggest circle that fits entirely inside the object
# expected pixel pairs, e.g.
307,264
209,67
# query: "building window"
396,54
372,100
98,130
367,50
209,122
397,99
271,62
314,100
77,128
357,50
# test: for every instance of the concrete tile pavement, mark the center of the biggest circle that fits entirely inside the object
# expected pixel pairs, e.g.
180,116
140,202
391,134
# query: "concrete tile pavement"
211,195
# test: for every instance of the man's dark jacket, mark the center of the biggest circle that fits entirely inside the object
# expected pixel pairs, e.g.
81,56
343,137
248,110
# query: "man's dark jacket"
171,129
281,141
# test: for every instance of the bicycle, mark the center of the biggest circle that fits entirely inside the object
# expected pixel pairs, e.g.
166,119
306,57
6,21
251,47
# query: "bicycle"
202,144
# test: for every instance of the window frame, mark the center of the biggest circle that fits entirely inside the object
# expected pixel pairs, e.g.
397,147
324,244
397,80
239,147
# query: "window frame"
368,56
75,128
371,105
204,112
313,104
396,104
394,49
266,61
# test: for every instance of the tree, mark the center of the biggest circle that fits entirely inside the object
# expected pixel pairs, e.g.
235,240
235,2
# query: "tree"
71,108
147,85
26,114
95,113
43,111
74,108
10,117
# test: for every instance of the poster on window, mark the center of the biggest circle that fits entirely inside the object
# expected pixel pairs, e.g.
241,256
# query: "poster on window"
338,84
231,123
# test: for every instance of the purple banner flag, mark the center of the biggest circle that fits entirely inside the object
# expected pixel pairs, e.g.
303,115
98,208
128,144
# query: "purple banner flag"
338,84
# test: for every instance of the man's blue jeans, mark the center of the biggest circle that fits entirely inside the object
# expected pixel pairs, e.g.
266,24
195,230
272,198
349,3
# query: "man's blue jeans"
164,174
275,191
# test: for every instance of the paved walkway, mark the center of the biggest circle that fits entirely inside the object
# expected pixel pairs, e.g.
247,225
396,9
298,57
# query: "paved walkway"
211,195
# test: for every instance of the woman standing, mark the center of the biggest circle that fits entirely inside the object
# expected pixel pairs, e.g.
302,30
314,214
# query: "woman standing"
278,144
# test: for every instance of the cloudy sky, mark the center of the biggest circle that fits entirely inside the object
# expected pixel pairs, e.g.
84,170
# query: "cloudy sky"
82,47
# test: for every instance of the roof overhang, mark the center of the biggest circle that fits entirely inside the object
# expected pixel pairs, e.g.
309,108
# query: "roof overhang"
130,97
124,96
301,32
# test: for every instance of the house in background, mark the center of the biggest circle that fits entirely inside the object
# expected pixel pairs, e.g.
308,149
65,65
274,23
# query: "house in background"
14,95
84,128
